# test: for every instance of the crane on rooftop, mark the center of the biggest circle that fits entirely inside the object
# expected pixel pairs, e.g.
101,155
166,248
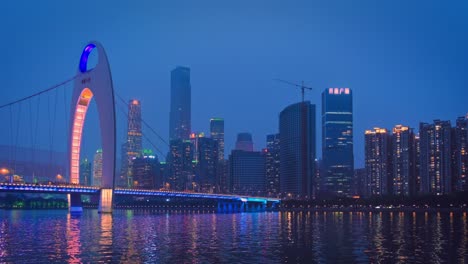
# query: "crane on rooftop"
301,86
304,138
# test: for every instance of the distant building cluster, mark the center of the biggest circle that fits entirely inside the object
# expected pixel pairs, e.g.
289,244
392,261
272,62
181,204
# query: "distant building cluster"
398,162
403,163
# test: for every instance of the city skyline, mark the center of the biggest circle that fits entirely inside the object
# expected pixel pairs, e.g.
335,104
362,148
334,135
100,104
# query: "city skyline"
393,78
234,132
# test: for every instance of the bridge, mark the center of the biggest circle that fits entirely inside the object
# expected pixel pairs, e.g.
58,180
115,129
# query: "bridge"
97,83
225,202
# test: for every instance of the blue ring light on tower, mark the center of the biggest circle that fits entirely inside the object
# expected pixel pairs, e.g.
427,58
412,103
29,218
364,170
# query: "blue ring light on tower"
84,57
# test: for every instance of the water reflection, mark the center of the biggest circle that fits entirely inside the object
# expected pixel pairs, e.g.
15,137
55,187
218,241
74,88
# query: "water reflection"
105,238
293,237
73,238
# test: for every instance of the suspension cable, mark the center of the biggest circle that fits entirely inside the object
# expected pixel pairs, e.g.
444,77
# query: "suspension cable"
144,122
39,93
18,122
124,113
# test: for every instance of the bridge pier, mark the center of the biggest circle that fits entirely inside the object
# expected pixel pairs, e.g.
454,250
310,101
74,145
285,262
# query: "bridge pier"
105,200
74,203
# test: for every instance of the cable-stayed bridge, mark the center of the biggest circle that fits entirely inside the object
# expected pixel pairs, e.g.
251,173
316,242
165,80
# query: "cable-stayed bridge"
87,84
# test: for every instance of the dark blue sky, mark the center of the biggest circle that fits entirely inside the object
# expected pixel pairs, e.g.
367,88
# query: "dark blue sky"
406,61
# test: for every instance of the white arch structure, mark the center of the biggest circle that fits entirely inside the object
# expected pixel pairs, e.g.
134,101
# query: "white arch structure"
97,83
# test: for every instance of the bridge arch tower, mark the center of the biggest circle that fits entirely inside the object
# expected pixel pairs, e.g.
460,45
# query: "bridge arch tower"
97,83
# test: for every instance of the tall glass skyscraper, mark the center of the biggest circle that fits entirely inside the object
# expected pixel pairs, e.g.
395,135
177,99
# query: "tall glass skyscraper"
133,146
297,145
180,113
217,134
337,142
461,153
272,164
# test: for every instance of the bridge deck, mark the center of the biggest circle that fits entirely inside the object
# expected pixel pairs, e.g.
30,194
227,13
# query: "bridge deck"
64,189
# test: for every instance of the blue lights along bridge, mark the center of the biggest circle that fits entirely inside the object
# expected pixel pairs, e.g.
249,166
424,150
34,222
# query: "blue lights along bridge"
226,203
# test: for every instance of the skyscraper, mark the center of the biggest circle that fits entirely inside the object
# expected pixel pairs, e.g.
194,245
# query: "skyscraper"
85,172
97,168
403,161
461,154
337,141
247,172
360,182
145,171
217,134
133,146
298,146
180,113
206,161
378,161
244,142
435,157
272,164
180,169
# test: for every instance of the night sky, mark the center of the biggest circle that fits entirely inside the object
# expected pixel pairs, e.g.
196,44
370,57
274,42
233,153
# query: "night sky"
406,61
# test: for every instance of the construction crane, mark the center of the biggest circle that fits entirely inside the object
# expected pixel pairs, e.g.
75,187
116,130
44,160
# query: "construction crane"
304,139
301,86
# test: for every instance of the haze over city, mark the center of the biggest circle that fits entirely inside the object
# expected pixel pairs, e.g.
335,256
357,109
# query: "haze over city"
234,132
405,62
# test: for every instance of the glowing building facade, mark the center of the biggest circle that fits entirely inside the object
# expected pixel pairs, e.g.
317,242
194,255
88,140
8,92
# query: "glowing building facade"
217,134
435,157
461,154
378,162
132,148
337,142
145,171
97,168
206,164
272,164
403,161
180,169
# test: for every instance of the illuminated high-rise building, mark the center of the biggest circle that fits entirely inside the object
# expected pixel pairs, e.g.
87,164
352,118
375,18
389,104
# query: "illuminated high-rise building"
297,150
378,162
180,112
337,142
247,172
85,172
97,168
403,161
435,157
461,154
133,146
145,171
244,142
272,164
180,167
217,134
360,182
205,161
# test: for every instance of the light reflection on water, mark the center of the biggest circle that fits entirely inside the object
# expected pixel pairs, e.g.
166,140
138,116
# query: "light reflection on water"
184,237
